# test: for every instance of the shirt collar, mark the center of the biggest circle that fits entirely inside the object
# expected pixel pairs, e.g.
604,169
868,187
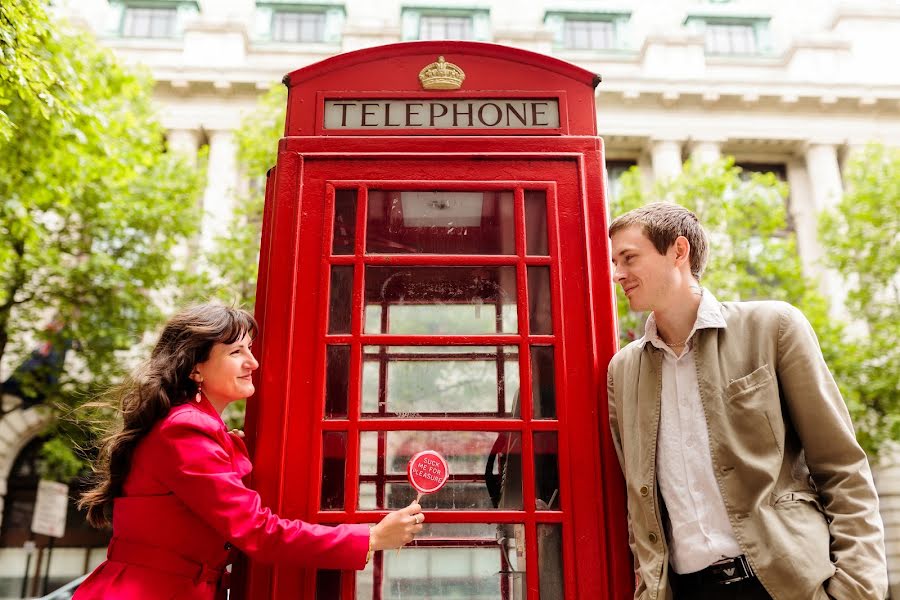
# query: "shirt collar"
204,405
709,316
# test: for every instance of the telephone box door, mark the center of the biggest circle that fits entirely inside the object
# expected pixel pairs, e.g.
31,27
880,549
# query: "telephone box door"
430,316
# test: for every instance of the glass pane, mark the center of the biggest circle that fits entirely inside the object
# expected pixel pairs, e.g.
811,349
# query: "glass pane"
337,378
441,300
440,222
539,314
546,470
340,299
334,458
485,469
485,561
344,238
536,223
543,384
440,381
328,584
368,500
549,543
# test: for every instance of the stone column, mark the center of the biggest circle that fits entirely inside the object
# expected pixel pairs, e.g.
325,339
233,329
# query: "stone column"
185,142
824,175
803,212
665,155
705,151
221,184
825,189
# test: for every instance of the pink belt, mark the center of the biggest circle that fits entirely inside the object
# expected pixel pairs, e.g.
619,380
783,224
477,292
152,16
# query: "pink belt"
161,559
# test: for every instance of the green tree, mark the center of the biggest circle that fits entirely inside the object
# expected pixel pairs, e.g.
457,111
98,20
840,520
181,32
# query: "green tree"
753,256
92,211
862,235
752,253
28,77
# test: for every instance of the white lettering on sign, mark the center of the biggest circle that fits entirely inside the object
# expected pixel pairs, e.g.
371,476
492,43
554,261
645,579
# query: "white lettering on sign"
430,474
426,113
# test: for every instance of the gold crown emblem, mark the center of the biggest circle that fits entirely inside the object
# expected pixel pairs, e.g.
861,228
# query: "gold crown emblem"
441,75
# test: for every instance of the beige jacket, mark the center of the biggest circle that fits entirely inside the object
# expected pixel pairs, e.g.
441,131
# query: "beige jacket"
796,484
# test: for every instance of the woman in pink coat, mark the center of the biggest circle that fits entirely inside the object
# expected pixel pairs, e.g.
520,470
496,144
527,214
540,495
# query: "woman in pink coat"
170,480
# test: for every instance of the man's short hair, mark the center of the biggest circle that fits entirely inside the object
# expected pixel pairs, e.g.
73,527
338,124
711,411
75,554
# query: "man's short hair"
662,223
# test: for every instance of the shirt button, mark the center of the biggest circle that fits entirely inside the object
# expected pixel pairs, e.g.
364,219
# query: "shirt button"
652,537
645,491
690,442
228,546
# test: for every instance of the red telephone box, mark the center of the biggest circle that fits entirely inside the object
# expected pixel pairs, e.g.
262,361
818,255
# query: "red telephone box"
435,275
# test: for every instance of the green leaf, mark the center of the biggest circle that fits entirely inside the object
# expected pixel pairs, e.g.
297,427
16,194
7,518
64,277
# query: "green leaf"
91,209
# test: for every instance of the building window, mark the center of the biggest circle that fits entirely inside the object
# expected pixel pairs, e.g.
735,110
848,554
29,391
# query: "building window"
291,22
445,24
150,19
438,27
587,31
147,22
292,26
732,35
730,38
589,35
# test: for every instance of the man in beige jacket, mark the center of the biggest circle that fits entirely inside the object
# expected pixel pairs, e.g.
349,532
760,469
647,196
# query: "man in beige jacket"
744,477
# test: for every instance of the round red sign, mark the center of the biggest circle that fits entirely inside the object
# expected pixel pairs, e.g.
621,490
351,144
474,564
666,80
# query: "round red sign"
427,471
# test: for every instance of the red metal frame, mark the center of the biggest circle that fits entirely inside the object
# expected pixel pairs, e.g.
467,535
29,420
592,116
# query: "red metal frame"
288,424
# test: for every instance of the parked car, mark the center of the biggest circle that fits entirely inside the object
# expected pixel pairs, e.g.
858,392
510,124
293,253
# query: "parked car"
65,592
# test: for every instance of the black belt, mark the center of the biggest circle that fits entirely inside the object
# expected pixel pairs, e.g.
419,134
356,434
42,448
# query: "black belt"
723,572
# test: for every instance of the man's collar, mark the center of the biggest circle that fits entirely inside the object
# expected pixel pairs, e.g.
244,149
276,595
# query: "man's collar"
709,316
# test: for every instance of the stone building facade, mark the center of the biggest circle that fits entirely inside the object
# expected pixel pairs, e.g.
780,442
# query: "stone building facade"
788,87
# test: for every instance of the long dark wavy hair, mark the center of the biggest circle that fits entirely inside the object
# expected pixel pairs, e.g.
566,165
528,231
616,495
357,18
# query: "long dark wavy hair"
153,389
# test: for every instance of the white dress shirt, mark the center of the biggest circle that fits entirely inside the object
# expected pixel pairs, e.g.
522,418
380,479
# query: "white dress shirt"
699,530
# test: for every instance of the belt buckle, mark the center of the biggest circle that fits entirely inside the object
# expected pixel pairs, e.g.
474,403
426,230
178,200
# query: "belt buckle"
738,571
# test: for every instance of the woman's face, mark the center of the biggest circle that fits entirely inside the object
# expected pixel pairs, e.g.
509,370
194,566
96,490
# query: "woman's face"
226,375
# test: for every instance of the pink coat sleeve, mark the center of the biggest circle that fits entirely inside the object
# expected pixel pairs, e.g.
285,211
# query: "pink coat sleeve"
200,472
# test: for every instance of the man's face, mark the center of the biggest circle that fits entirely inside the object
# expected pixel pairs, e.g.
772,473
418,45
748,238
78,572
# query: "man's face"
646,276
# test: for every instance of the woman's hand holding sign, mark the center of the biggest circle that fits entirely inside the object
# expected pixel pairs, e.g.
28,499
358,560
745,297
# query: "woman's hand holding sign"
398,528
427,472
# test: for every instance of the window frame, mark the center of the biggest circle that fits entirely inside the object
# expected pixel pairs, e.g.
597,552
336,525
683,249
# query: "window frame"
759,25
556,21
411,21
181,9
319,28
267,12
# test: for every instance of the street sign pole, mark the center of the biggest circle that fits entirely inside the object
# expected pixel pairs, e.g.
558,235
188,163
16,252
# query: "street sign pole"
50,510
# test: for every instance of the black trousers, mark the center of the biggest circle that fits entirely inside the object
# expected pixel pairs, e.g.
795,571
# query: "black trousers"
749,589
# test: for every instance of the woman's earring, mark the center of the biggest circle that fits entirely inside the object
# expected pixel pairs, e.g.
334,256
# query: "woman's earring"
198,397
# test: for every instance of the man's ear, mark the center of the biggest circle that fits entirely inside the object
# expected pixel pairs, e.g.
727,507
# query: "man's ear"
682,250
